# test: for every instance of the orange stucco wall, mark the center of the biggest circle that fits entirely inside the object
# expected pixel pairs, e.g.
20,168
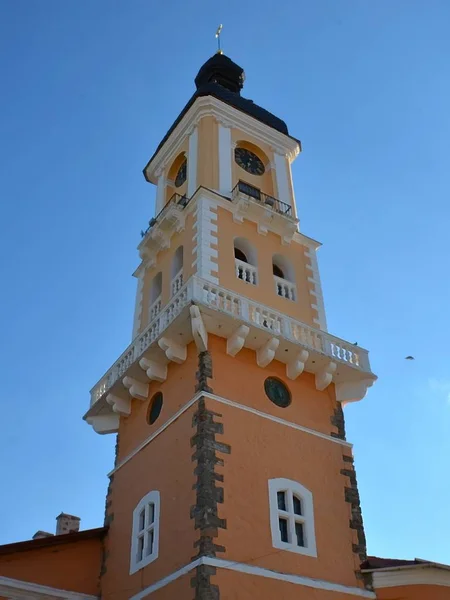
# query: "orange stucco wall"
266,247
164,265
242,586
164,465
414,592
74,567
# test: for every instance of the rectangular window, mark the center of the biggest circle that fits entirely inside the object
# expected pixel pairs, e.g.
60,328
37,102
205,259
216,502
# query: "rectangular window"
297,506
299,534
283,530
281,497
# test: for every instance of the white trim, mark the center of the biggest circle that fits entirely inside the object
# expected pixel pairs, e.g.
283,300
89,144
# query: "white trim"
411,575
222,400
160,193
220,563
225,178
317,303
210,106
281,174
152,499
192,163
16,589
206,235
292,488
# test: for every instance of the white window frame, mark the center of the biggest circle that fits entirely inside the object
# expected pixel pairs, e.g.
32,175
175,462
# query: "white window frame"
152,498
307,518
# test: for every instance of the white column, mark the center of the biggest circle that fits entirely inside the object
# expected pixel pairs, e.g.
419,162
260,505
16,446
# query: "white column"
281,175
138,305
225,178
192,163
160,193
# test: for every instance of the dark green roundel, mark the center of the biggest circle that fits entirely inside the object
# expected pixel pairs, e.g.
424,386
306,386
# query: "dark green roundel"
155,408
181,174
277,392
248,161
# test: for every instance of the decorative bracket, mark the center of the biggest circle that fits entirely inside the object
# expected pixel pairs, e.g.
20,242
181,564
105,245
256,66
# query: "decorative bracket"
173,351
352,391
264,221
121,406
236,341
198,329
266,353
325,376
104,423
136,388
297,365
155,371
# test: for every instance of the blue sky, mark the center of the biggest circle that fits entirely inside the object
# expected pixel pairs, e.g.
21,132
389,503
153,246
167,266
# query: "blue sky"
89,89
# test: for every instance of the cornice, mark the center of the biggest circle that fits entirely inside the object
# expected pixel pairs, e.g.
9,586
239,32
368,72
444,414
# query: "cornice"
229,116
411,575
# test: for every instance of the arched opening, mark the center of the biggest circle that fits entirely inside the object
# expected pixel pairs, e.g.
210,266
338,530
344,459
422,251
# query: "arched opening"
245,259
177,271
284,277
240,255
177,176
155,296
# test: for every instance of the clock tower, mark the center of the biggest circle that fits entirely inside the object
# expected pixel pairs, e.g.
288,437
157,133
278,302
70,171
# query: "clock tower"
233,477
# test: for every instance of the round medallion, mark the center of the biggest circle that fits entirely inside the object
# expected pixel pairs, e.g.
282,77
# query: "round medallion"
248,161
181,175
277,392
155,408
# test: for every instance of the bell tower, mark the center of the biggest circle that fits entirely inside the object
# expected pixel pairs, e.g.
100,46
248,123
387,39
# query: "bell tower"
233,477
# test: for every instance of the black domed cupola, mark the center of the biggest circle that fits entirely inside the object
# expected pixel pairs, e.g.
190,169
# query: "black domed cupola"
222,70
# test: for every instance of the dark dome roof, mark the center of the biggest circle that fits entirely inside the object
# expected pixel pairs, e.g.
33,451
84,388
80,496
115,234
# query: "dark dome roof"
222,70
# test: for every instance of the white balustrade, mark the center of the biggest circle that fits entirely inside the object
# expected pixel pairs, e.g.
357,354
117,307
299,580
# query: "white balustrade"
246,272
177,283
154,309
244,311
285,288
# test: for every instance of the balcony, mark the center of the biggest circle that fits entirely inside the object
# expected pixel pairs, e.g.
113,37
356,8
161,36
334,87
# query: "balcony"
246,272
157,235
243,322
285,288
269,213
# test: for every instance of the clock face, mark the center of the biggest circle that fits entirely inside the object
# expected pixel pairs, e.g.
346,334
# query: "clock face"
277,392
248,161
181,175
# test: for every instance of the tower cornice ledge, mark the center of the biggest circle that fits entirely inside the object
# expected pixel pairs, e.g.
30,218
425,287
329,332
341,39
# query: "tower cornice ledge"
201,308
207,106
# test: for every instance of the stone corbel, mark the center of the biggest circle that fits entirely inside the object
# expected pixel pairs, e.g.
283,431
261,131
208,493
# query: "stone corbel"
136,388
121,406
264,221
290,231
198,329
174,351
236,341
352,391
266,354
159,239
155,371
104,424
297,365
325,376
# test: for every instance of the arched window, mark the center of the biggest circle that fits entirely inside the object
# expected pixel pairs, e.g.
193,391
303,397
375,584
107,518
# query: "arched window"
284,277
245,259
177,271
292,517
155,296
145,532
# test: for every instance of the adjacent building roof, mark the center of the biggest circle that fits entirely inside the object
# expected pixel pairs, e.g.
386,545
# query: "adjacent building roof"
53,540
375,563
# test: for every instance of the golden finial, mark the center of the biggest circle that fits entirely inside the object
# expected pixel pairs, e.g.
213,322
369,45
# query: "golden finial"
218,32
